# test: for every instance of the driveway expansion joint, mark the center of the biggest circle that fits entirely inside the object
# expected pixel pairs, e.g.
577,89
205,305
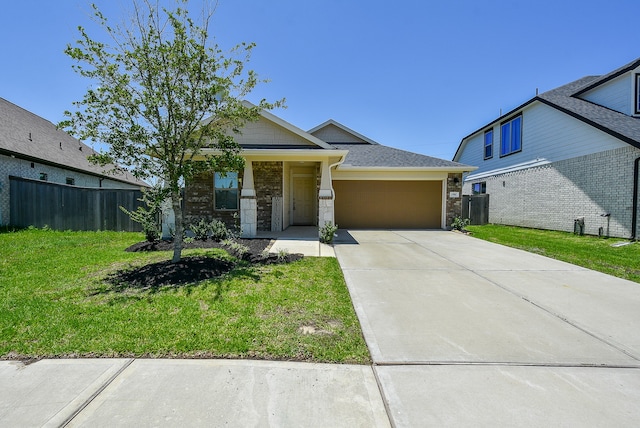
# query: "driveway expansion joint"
505,363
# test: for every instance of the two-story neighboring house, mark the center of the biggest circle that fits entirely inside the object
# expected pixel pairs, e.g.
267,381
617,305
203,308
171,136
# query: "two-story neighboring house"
566,155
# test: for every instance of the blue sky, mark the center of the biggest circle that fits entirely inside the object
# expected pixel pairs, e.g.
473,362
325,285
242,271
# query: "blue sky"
413,74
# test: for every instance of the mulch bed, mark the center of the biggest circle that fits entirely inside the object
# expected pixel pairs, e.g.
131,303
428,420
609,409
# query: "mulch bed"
191,269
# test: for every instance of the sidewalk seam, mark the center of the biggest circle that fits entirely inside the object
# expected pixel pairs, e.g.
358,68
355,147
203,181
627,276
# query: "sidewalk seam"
385,401
96,393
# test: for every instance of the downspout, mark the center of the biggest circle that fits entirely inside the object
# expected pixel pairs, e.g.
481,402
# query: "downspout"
333,192
634,214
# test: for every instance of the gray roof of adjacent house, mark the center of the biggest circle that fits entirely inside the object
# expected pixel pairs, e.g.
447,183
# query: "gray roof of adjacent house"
378,155
566,99
619,125
29,136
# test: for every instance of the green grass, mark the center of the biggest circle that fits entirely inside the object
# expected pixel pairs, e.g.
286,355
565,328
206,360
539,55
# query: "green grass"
54,303
586,251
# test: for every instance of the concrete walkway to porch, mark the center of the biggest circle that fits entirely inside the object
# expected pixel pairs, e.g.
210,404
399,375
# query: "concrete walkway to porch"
299,240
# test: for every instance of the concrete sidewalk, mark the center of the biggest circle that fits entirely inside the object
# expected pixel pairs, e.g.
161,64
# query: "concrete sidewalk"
468,333
188,393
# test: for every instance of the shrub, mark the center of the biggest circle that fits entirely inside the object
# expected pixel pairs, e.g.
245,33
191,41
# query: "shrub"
459,223
149,215
327,232
218,230
200,230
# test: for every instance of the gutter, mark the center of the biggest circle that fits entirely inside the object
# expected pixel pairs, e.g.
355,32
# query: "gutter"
634,214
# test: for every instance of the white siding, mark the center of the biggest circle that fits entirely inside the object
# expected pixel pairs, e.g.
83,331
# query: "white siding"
546,133
616,94
268,133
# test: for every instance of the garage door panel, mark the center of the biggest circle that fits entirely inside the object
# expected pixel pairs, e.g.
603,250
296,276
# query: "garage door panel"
388,204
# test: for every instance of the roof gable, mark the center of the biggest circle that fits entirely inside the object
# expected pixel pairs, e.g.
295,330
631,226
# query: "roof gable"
28,136
271,132
609,76
335,132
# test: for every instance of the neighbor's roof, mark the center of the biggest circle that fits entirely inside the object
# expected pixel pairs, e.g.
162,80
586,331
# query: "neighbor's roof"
566,99
28,136
619,125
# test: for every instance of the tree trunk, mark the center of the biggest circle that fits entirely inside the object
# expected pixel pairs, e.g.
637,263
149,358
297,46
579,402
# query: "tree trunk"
177,239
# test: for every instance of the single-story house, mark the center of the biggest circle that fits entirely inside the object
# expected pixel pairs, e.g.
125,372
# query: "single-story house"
567,159
328,174
34,148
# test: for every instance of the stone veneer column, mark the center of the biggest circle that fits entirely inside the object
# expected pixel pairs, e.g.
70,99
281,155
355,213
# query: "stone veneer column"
325,197
248,204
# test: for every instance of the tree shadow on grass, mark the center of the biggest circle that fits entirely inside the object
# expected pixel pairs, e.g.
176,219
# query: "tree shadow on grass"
186,274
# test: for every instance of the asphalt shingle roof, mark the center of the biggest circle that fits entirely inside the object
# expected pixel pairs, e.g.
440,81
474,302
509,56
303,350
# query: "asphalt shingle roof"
626,128
378,155
26,135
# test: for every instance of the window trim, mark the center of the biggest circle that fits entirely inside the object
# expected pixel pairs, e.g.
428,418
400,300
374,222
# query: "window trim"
216,189
482,188
485,145
502,124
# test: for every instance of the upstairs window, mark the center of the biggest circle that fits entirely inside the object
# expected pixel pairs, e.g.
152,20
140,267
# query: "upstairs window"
488,144
44,176
637,99
511,136
71,181
226,191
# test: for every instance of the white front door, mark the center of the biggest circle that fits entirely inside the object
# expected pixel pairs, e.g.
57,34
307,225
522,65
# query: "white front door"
304,200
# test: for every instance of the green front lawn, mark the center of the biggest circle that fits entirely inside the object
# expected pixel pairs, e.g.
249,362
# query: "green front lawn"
54,302
587,251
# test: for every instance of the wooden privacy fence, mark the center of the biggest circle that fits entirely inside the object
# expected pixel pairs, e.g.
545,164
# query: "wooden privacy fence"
61,207
476,208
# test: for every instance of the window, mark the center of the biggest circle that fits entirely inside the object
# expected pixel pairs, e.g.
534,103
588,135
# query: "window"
71,181
44,176
488,144
637,93
479,187
226,191
511,136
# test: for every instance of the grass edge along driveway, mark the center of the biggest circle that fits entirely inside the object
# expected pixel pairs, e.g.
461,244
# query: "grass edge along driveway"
54,303
587,251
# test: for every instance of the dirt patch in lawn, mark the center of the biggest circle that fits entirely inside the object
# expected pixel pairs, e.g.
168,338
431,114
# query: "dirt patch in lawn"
192,269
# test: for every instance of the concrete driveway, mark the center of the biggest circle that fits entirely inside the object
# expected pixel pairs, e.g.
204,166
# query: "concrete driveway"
466,332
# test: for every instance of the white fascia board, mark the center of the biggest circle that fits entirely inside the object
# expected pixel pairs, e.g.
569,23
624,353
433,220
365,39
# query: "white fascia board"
512,168
397,174
348,167
283,154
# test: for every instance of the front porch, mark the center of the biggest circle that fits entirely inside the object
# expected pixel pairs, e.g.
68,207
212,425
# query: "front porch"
276,195
298,240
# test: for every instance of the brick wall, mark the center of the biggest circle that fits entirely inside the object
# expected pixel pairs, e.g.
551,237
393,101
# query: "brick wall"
453,205
267,180
198,203
554,195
